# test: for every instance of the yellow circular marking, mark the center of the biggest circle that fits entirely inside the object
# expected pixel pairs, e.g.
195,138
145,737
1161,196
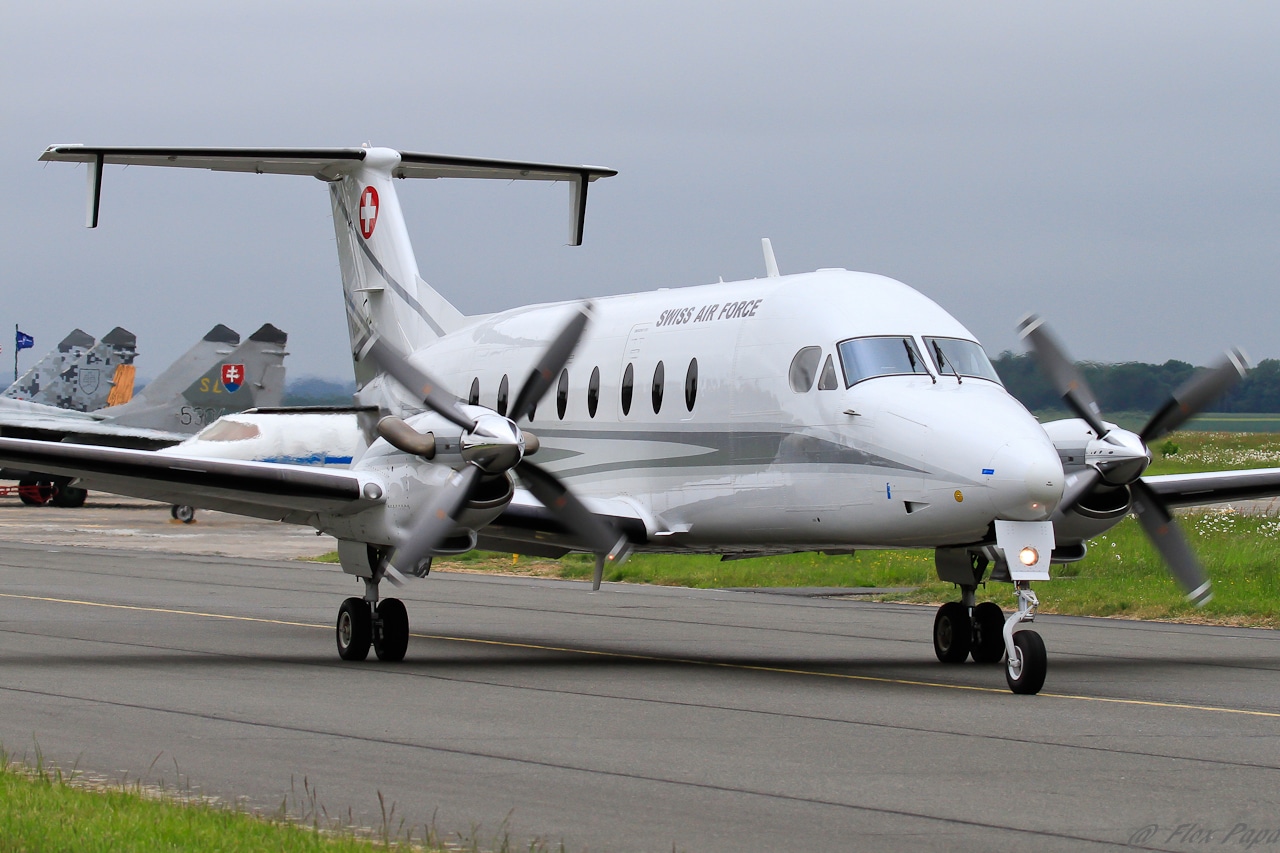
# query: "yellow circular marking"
959,496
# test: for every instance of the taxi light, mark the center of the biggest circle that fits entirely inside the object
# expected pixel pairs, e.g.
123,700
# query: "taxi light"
1029,556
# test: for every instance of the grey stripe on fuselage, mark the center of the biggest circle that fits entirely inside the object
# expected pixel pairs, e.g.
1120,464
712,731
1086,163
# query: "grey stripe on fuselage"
726,449
409,299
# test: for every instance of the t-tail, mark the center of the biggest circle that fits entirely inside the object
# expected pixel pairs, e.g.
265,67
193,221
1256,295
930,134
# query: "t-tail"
384,294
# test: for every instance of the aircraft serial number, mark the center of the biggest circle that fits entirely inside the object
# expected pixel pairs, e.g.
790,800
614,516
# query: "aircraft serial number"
200,415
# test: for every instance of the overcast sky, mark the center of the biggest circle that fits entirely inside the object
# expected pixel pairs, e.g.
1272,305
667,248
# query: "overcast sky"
1113,166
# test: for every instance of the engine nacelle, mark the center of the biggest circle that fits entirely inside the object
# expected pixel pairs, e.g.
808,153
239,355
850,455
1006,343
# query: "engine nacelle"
1095,514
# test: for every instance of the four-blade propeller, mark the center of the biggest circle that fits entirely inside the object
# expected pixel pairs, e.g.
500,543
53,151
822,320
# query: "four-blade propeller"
491,446
1117,457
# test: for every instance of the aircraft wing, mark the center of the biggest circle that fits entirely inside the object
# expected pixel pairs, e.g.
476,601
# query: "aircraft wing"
1214,487
260,489
33,420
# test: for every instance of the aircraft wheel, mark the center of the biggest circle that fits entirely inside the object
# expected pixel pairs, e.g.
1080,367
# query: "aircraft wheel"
69,497
1026,674
988,633
392,640
35,492
355,629
951,632
182,512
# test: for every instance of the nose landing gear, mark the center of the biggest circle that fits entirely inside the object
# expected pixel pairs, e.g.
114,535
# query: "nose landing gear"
962,629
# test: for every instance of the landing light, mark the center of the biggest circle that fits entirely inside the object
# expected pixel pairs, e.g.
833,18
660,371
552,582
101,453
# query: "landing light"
1029,556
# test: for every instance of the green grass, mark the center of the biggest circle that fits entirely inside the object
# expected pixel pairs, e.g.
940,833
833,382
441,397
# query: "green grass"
45,810
1211,422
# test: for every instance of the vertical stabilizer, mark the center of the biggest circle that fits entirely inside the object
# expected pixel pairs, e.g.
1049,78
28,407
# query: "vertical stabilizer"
43,383
383,292
98,373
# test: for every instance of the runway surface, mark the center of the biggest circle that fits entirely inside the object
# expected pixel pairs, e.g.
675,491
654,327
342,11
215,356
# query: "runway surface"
637,718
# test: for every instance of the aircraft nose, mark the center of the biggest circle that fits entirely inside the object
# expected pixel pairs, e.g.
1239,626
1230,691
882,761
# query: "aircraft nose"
1027,480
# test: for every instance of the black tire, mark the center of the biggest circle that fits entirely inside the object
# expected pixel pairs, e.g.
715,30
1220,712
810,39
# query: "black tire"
354,629
392,640
951,632
988,633
1026,675
69,497
182,512
35,492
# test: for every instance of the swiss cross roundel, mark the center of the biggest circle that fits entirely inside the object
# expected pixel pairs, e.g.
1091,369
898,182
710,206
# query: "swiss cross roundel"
368,211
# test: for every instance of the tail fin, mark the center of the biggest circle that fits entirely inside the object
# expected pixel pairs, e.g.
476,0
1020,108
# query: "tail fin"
383,292
251,376
43,383
102,373
154,404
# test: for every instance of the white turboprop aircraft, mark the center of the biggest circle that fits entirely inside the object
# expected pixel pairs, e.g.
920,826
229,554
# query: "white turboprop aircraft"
830,411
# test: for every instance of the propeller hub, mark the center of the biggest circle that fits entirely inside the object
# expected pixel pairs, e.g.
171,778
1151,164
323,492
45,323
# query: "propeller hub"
495,444
1120,456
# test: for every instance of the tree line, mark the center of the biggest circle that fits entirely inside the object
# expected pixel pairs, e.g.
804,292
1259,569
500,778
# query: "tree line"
1137,387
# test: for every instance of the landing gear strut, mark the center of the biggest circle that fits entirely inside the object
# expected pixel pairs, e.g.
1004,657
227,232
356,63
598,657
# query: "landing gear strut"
365,623
962,629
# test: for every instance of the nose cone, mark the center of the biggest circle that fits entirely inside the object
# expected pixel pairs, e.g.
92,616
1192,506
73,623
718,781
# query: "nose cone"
1026,480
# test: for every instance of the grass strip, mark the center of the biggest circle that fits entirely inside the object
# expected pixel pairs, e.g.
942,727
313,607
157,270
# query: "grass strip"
42,809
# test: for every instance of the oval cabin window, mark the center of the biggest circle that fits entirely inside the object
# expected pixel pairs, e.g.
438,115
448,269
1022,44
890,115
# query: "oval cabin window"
659,379
562,394
593,392
628,385
691,384
503,387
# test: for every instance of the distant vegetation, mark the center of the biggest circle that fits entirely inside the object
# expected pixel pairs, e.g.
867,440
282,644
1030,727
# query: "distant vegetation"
314,391
1137,387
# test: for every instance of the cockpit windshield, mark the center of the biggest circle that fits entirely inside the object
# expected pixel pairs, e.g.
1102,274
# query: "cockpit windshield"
960,358
864,358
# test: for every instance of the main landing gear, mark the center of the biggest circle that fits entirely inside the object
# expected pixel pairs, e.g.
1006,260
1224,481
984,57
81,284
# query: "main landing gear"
962,629
366,622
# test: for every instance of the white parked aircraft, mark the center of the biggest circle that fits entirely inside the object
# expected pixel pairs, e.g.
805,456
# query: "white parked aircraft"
829,411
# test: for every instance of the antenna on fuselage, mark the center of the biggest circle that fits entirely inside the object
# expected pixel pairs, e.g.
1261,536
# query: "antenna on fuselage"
770,262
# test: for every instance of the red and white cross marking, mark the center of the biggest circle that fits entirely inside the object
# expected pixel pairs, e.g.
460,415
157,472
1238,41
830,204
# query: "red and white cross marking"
368,211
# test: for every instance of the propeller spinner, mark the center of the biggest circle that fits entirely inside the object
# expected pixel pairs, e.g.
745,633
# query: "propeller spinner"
1118,457
491,445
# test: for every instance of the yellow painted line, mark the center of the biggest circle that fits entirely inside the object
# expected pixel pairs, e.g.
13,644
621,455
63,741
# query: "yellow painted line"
1142,703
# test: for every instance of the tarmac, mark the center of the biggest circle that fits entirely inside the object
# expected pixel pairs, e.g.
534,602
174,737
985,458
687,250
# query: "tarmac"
531,711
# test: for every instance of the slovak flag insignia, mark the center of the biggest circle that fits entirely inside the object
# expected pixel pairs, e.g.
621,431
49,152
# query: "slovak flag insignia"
232,377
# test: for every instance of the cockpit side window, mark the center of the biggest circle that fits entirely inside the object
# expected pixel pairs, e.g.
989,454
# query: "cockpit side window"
893,355
959,357
828,382
804,367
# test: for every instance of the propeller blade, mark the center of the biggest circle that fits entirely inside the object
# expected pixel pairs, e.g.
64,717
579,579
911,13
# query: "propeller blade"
1066,378
435,520
599,535
550,365
1079,484
1167,537
1195,394
418,382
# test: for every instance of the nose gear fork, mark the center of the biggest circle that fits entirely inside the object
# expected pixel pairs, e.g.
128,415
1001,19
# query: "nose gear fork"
1027,662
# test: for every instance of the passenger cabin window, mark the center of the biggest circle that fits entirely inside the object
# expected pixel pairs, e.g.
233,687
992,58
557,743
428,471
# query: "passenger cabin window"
593,392
865,358
503,387
659,379
828,382
804,367
628,385
562,394
691,384
959,357
474,397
